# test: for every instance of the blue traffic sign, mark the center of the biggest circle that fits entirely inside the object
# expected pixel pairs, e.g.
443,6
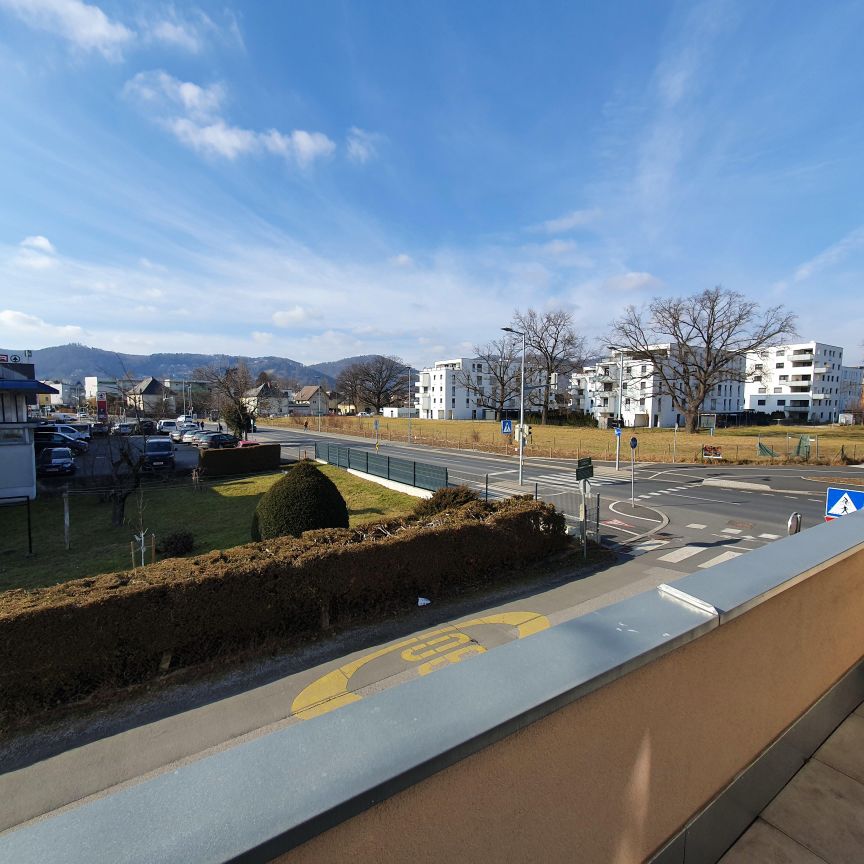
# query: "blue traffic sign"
842,502
506,427
617,431
634,442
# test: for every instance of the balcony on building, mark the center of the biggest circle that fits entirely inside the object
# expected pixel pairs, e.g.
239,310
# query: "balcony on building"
661,728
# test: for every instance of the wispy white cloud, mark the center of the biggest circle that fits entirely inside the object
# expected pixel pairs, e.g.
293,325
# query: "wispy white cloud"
20,326
834,254
568,222
632,281
362,145
35,253
40,243
201,126
84,25
261,337
187,30
402,260
293,316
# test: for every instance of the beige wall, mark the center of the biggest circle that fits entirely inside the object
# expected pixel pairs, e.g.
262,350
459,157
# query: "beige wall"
612,776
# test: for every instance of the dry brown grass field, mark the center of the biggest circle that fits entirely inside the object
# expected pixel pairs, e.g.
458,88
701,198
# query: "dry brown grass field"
829,444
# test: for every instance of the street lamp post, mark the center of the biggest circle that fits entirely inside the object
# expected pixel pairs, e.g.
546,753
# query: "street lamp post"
410,403
620,401
521,402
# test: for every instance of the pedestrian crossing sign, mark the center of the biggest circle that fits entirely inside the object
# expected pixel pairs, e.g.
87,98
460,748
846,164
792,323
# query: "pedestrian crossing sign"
506,427
842,502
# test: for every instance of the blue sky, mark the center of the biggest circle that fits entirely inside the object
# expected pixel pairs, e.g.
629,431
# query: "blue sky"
321,179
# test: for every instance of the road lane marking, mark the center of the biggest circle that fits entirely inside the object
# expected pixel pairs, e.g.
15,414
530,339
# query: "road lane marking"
677,555
720,559
698,525
435,648
770,536
731,531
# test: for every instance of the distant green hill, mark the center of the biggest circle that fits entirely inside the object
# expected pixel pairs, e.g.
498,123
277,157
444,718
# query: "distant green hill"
73,362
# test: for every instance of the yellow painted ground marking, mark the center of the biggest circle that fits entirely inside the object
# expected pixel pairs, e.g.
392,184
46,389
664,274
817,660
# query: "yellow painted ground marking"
452,657
331,690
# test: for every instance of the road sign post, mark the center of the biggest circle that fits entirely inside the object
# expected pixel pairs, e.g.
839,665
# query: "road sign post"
617,448
634,443
842,502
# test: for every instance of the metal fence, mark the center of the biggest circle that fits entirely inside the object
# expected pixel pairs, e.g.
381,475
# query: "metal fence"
418,474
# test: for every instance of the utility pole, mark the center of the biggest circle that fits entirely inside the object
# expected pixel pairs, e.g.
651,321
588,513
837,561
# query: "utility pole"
620,401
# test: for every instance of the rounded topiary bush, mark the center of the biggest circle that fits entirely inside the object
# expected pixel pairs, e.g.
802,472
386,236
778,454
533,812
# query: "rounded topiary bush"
302,500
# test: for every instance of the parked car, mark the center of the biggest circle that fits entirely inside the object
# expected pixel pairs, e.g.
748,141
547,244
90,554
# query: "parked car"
83,430
83,415
99,429
166,427
365,414
198,437
55,461
182,429
190,434
44,440
122,428
144,427
217,440
158,453
64,429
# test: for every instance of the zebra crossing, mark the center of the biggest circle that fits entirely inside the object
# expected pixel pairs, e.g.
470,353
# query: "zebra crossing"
569,481
697,555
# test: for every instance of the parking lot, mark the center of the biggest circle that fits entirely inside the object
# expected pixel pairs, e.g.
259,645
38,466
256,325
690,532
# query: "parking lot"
110,455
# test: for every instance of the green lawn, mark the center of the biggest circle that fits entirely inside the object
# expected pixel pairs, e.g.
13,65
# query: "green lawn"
218,515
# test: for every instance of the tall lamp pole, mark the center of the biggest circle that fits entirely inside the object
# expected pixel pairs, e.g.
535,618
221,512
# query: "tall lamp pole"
620,401
410,403
521,402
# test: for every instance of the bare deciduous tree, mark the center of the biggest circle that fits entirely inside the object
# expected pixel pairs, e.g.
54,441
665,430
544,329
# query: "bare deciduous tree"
228,393
501,357
694,343
350,384
553,346
377,382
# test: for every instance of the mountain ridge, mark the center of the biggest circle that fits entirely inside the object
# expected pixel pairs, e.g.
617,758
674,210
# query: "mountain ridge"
73,361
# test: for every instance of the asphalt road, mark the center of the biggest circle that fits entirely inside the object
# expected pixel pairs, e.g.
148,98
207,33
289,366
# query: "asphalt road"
686,518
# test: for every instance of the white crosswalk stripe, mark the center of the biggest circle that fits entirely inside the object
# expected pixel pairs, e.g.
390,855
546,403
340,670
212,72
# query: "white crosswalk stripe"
570,481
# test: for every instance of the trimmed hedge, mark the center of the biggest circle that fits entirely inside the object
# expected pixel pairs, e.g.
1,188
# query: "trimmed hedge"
445,499
240,460
59,644
303,500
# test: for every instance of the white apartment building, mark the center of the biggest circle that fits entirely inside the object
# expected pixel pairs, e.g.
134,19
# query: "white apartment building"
803,381
627,385
441,391
851,387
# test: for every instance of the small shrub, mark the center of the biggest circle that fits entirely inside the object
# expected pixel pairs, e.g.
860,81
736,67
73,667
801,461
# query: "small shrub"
448,498
302,500
176,544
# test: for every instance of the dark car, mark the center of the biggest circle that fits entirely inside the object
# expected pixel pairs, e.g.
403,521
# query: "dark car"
55,461
216,440
158,453
145,427
44,440
99,429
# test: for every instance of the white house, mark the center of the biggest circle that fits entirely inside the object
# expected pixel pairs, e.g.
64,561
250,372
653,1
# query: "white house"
94,384
804,381
152,397
627,385
17,459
